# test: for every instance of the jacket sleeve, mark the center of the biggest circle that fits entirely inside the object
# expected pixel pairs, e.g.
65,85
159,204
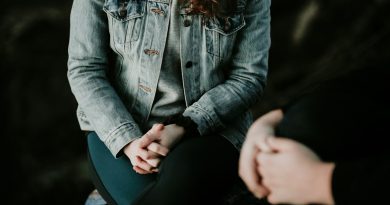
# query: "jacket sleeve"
87,66
246,81
364,181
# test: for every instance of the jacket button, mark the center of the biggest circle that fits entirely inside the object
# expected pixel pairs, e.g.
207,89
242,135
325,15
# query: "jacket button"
151,52
189,64
158,11
122,10
228,25
187,22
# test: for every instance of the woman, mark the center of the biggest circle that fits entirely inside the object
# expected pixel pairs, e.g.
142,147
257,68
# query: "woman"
134,64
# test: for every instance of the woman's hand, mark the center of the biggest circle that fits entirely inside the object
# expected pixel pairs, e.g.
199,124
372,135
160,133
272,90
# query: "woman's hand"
294,174
255,143
144,161
170,136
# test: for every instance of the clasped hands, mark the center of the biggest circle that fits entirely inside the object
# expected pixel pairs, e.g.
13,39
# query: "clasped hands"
146,152
282,169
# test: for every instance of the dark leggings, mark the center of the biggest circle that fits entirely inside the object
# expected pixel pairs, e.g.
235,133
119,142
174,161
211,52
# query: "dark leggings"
199,170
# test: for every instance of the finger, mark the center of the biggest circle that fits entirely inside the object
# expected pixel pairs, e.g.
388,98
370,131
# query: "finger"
147,139
264,159
250,178
149,157
247,166
269,183
273,117
262,170
154,162
153,159
261,192
143,164
279,143
152,135
263,144
273,198
139,170
145,154
247,171
266,168
153,155
157,127
158,148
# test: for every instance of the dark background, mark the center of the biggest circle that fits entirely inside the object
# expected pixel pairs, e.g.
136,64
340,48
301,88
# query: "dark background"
43,148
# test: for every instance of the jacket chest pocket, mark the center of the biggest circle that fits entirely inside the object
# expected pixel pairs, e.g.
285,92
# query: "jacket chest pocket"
124,18
221,33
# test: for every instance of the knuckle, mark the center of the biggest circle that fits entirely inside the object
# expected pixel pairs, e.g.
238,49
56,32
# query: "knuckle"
146,156
146,165
159,149
147,136
152,146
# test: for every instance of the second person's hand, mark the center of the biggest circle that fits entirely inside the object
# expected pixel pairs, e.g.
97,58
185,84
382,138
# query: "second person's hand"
255,143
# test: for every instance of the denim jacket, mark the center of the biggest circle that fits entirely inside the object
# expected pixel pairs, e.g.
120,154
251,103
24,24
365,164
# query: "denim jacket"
115,56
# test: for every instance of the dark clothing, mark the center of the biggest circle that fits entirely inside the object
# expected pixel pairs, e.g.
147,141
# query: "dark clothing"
200,170
346,121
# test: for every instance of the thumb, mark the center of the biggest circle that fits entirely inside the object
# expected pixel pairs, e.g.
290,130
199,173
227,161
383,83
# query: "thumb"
280,143
151,136
157,127
273,117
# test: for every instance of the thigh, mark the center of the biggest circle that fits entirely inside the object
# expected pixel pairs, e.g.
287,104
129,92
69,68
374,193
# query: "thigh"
200,170
115,178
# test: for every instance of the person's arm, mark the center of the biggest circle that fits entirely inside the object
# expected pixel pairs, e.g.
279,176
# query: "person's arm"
364,181
246,81
87,67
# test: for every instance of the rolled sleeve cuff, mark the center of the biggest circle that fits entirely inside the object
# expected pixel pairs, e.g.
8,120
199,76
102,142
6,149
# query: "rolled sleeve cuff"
120,137
206,120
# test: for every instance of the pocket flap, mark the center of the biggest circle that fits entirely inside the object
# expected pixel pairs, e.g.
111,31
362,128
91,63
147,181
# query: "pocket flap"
124,10
226,25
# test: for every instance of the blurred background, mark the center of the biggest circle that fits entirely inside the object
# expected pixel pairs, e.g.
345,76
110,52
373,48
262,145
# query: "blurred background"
43,148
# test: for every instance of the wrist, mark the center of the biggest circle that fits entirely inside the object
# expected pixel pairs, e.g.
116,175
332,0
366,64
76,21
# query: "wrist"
128,146
324,183
179,130
186,123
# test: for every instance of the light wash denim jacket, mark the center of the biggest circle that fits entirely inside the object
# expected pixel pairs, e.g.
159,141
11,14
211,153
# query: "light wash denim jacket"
115,56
